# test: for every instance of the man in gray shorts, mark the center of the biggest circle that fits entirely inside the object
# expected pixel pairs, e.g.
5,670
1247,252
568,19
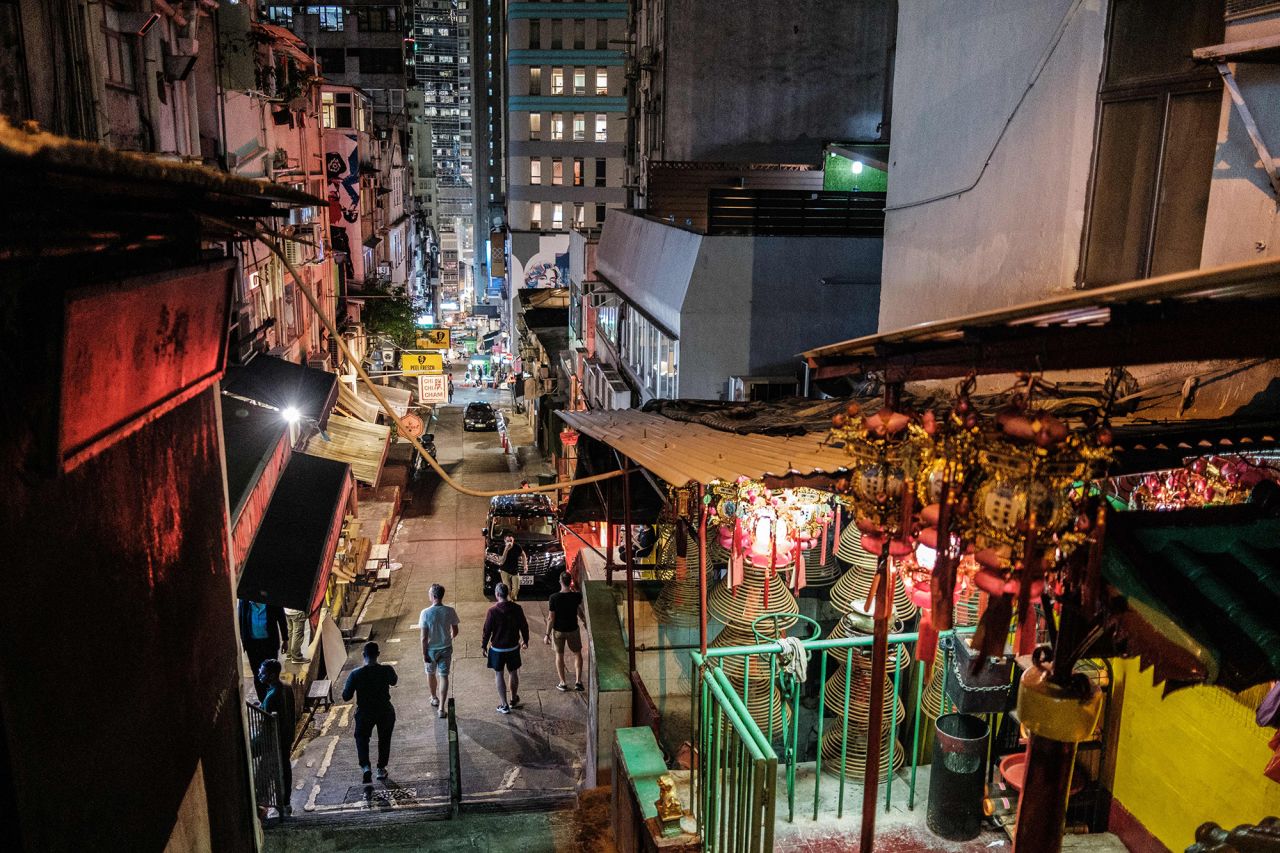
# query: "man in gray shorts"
439,624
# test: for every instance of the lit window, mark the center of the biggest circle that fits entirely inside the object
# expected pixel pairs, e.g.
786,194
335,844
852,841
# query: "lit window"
557,125
331,17
602,81
535,81
557,81
579,215
535,125
557,171
579,81
579,127
535,216
535,171
577,171
557,217
602,127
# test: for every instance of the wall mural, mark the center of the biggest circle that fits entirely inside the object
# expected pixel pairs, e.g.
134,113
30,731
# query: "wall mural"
342,171
548,273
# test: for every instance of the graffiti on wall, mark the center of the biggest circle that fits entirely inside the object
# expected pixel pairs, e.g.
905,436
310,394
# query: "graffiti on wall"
342,171
548,273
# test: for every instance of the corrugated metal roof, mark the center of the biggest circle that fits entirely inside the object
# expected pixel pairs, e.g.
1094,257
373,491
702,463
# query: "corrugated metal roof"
681,452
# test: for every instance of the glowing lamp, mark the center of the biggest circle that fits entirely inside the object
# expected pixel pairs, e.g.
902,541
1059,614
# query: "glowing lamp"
290,415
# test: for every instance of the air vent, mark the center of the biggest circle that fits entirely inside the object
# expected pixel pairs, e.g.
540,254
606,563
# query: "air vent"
1248,8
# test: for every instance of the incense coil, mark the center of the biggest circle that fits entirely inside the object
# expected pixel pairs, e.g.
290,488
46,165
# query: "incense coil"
677,603
742,605
762,703
854,586
856,754
860,699
896,659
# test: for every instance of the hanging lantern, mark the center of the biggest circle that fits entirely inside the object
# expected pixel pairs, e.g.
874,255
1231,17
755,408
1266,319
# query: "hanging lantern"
884,449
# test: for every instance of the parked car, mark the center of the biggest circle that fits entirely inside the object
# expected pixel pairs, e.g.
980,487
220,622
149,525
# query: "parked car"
479,416
533,521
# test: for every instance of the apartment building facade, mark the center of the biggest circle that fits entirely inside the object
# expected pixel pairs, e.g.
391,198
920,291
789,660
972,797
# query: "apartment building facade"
566,120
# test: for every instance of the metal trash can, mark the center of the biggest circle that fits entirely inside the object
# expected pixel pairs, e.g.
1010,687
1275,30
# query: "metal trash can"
956,776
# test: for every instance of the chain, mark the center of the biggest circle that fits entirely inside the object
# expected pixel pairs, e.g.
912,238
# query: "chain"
955,665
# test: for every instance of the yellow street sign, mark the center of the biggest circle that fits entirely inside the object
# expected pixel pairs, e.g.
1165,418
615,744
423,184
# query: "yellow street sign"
420,363
433,339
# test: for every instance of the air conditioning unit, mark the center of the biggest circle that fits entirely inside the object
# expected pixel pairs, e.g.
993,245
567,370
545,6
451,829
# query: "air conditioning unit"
319,361
294,252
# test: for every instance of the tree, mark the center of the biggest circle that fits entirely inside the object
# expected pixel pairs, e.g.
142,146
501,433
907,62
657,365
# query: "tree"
389,314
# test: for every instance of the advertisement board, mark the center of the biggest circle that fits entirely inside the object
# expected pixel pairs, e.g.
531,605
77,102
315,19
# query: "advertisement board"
433,339
433,389
418,363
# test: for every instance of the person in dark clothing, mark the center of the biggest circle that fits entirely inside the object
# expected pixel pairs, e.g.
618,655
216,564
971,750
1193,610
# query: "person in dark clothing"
506,632
564,611
263,629
371,685
510,559
278,700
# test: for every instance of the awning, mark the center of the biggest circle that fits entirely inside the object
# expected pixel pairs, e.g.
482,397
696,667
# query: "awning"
286,42
681,452
294,549
361,445
282,384
1228,312
256,441
1202,590
358,400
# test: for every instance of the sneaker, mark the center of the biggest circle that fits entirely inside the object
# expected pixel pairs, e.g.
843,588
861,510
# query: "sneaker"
578,687
562,687
382,772
367,778
515,702
504,709
435,703
443,714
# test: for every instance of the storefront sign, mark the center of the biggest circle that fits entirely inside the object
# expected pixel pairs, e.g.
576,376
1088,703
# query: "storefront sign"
433,339
418,363
433,389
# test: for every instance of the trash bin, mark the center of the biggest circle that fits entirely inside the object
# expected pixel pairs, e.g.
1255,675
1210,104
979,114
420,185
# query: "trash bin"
956,776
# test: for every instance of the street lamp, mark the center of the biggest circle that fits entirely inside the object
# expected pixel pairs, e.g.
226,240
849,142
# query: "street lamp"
290,414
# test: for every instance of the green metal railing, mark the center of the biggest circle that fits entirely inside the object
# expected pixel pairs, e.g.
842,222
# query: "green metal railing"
719,796
736,777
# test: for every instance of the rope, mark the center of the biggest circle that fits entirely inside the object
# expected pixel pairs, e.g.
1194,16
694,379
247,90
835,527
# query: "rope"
793,661
382,401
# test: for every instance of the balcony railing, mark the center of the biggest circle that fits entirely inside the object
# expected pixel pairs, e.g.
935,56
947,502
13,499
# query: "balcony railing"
794,212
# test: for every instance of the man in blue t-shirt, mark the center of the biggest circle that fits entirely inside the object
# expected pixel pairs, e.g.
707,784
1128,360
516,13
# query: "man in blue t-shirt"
439,624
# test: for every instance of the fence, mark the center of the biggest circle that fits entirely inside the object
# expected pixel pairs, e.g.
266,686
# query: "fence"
266,757
735,776
720,714
783,212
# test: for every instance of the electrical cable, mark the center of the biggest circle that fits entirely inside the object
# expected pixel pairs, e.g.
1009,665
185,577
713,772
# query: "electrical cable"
1035,77
382,401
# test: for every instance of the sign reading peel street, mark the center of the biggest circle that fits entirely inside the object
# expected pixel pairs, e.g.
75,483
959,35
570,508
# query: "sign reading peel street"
420,363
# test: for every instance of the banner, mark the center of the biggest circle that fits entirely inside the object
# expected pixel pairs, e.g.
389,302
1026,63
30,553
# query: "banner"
342,171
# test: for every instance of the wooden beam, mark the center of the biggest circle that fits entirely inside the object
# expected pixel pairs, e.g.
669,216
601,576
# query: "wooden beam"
1251,127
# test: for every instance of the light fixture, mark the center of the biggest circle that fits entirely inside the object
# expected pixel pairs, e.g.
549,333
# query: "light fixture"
856,167
290,414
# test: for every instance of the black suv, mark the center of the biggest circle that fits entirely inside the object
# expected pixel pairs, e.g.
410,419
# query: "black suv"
479,416
532,520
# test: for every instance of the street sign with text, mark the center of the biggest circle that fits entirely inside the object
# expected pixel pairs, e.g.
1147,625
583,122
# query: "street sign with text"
433,339
433,389
419,363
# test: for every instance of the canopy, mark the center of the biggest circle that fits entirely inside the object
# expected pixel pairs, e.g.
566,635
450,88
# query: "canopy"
291,556
603,501
357,400
361,445
283,385
681,452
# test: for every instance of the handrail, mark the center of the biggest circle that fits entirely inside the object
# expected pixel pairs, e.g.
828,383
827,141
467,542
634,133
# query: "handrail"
822,645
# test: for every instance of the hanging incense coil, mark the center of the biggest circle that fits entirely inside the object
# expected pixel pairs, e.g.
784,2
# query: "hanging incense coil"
855,584
743,604
762,704
735,666
844,629
856,753
677,604
860,699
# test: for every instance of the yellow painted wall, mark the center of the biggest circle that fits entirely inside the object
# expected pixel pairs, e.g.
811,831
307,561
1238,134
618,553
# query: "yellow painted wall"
1194,756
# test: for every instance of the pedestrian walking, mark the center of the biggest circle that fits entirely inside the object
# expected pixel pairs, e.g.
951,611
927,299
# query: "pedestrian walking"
564,612
510,559
262,627
371,685
297,622
439,624
278,700
450,387
506,632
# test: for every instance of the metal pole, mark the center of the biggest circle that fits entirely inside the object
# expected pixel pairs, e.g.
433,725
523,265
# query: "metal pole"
893,728
915,736
631,575
879,655
702,572
608,536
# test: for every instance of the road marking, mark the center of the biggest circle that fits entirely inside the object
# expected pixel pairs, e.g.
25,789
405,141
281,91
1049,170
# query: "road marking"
509,780
328,758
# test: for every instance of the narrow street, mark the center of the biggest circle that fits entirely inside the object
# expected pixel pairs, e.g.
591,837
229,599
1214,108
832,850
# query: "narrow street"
531,757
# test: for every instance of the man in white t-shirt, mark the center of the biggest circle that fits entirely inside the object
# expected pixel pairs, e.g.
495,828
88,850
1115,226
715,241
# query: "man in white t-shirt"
439,624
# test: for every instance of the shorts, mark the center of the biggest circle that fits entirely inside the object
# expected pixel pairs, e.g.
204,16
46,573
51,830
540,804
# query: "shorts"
510,660
572,639
438,660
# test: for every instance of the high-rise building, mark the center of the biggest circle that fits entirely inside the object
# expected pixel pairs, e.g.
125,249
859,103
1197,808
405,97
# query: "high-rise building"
566,125
489,47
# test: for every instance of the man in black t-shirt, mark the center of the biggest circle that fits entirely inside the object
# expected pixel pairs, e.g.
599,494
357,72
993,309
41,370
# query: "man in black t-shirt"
510,560
371,685
565,609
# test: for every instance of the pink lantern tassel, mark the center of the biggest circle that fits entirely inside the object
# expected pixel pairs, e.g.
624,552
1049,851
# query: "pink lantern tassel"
798,579
822,558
